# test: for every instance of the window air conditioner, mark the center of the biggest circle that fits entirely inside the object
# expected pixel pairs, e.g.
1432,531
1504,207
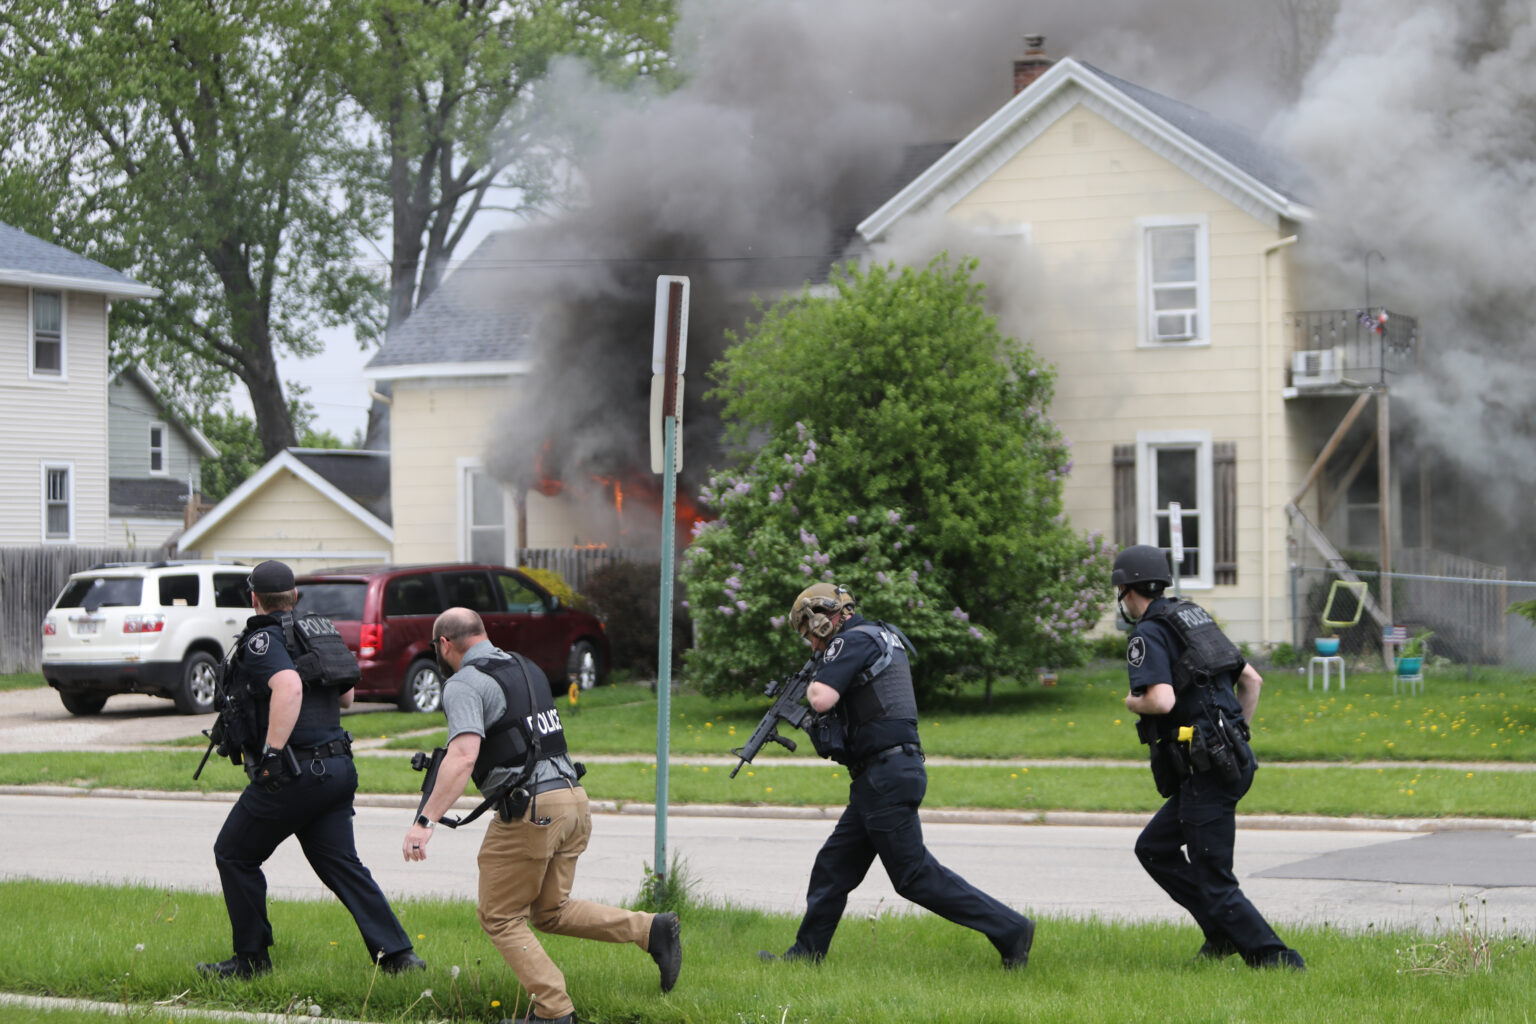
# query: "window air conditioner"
1317,366
1174,325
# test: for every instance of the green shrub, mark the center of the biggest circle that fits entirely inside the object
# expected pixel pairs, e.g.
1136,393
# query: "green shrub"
555,584
1284,655
1108,646
627,595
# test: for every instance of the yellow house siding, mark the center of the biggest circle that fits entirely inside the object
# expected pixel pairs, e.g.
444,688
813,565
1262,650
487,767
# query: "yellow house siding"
290,520
1083,186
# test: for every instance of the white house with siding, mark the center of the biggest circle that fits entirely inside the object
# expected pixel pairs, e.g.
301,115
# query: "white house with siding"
155,462
53,391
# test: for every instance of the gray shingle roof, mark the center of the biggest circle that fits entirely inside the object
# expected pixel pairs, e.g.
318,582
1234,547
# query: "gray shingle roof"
21,254
361,476
1226,140
468,319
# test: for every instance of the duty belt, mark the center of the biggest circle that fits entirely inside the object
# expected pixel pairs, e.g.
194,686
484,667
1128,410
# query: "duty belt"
548,784
857,768
335,748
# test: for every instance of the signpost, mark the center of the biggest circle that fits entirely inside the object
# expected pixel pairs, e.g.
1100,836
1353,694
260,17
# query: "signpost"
669,348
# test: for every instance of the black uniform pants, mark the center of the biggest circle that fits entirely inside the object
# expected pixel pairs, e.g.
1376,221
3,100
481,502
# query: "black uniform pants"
881,821
1201,818
316,807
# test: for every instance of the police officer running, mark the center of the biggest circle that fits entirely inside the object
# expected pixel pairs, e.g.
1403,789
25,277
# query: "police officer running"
302,779
1196,695
500,711
867,719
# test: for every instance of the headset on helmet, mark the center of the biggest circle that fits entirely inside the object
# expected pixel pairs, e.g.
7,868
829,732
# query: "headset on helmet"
1141,563
811,614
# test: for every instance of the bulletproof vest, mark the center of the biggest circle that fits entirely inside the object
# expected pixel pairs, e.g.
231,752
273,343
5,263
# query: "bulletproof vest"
509,739
1208,658
883,690
319,653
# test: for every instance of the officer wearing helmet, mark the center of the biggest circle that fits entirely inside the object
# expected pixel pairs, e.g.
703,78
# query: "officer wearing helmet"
1196,695
862,691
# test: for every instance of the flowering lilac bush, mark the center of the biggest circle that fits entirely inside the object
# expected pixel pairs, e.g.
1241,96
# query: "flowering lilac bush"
908,456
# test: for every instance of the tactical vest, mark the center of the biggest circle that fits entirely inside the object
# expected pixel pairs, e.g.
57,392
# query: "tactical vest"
884,689
509,739
1208,658
325,667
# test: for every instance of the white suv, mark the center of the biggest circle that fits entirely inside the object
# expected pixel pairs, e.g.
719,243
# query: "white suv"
144,627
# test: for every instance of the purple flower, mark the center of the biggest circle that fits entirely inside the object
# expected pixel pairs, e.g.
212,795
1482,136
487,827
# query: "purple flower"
805,569
853,520
961,615
733,583
776,495
776,621
741,606
976,633
822,559
810,457
880,576
725,609
808,539
893,517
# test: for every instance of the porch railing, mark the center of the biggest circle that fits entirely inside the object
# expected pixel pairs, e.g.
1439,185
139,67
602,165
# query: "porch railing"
1351,346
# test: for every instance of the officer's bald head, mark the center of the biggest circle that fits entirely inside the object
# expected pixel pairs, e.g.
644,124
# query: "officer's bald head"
461,627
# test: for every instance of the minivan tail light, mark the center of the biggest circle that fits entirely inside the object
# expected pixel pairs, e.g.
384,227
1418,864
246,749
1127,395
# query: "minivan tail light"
48,628
144,624
370,639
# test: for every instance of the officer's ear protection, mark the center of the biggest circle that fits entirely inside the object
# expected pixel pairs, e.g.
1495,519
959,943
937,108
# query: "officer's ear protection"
814,616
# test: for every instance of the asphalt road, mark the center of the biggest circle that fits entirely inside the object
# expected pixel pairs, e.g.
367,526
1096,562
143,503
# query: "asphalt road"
1309,871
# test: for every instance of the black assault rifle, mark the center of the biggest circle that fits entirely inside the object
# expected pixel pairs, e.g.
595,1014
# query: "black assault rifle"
787,706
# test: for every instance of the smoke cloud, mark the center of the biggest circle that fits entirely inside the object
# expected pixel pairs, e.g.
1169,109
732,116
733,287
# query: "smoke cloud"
1416,123
1418,127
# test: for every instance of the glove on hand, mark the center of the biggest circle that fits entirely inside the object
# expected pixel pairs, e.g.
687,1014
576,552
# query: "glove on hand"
271,771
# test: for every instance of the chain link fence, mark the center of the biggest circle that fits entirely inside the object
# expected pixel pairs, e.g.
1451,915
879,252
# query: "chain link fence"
1464,604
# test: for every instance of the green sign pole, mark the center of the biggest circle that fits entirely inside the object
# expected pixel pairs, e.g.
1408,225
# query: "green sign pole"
664,643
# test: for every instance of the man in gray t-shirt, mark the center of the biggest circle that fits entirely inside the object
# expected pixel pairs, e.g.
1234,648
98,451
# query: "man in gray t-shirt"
527,863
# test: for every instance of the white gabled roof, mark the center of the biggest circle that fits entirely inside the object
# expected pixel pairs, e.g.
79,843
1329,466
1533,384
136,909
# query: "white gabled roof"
1219,155
284,459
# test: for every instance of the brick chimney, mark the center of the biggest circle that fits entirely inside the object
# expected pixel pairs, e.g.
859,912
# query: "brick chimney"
1032,65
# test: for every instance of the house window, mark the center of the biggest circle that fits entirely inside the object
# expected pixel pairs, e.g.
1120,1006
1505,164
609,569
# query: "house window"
47,334
157,447
58,503
1175,271
1188,468
483,504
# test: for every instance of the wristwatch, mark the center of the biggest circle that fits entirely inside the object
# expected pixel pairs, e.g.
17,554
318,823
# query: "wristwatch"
424,821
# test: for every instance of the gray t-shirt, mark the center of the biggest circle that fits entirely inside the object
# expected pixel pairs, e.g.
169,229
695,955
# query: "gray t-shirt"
471,698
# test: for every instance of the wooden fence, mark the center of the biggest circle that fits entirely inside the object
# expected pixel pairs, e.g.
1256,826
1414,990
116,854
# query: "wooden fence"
575,565
30,579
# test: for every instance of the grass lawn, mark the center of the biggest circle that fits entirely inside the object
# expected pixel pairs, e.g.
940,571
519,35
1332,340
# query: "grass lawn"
138,945
22,681
1278,789
1488,717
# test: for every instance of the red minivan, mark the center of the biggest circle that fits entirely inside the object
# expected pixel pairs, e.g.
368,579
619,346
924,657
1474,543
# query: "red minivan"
385,614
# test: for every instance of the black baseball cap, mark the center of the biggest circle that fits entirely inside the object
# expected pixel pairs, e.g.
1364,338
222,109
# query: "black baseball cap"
271,577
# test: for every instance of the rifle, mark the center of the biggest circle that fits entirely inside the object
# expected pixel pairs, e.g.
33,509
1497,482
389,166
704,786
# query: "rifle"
788,694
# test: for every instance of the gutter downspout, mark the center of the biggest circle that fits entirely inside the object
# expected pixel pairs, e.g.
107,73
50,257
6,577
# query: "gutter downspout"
1266,547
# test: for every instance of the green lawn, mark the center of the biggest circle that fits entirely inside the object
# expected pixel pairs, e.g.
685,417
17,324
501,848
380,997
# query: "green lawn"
1488,717
22,681
138,945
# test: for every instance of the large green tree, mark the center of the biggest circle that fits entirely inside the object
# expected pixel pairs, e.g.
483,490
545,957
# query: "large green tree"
893,441
447,89
196,145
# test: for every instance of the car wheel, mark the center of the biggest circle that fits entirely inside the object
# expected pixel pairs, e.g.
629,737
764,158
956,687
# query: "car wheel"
584,666
199,678
82,703
423,690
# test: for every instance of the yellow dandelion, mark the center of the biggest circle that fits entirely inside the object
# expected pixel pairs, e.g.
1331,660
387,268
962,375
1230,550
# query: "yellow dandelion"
495,1003
1469,775
1024,770
709,725
751,775
704,769
420,936
767,789
1013,775
1117,721
835,775
333,942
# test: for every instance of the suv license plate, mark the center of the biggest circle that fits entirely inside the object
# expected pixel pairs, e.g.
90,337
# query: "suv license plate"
87,627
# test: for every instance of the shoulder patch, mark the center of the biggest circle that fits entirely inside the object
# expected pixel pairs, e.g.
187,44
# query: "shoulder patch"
259,642
833,649
1136,651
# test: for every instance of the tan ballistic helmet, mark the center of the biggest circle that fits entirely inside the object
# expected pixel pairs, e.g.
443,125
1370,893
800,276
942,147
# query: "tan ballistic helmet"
812,612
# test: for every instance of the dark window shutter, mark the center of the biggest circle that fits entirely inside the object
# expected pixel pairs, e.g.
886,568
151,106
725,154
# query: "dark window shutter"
1224,468
1125,495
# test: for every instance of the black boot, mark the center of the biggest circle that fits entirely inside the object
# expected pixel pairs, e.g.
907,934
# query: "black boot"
1016,956
402,960
241,965
666,948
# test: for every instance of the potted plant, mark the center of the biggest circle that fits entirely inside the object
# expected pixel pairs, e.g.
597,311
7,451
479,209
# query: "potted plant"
1410,660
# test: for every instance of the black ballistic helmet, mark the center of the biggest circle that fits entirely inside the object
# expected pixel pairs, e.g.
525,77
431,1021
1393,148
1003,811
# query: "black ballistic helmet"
1141,563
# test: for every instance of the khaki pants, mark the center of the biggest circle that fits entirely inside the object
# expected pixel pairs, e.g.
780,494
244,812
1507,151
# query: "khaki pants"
526,871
